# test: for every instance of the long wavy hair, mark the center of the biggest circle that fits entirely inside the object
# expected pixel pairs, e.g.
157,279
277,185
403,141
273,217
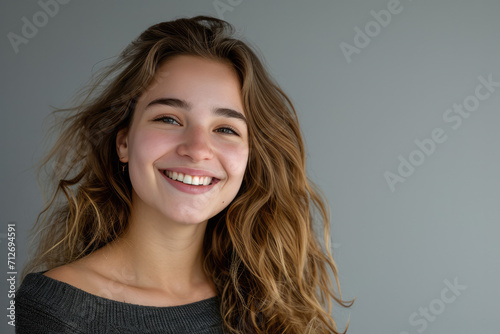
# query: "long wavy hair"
271,272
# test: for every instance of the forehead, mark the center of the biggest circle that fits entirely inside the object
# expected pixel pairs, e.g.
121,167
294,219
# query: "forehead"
195,67
191,77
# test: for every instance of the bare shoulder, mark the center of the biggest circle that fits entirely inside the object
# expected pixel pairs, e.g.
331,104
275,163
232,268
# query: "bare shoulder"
97,273
79,274
98,276
66,273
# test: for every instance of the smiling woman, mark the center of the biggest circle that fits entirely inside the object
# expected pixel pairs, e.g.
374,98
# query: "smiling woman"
189,122
181,200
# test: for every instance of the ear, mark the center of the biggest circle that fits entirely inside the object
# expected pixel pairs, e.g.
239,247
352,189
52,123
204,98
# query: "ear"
122,145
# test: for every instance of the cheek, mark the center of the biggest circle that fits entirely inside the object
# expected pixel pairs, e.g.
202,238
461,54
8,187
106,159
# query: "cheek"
147,146
236,159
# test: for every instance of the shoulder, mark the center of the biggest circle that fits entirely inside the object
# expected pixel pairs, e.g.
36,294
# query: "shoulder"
97,276
46,305
65,273
65,283
60,300
62,279
87,274
73,274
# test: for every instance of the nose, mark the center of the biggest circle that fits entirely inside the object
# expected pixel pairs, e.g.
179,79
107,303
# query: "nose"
195,144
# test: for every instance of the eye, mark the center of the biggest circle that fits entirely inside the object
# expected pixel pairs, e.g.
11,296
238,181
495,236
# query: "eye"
227,130
166,120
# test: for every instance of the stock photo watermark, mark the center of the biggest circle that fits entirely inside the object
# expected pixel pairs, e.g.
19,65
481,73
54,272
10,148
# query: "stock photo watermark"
373,28
222,6
453,117
421,318
11,272
30,26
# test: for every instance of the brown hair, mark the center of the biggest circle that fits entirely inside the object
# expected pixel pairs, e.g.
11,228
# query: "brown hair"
271,273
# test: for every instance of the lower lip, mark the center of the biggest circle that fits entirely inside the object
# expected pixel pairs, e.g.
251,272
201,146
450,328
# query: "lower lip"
188,188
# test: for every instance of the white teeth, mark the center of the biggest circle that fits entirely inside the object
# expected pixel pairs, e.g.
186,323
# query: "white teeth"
188,179
196,180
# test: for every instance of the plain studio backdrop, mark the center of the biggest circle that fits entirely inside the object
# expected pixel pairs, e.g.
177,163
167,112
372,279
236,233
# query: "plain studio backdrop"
399,106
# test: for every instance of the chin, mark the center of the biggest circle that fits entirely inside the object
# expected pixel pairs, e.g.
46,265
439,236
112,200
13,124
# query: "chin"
188,219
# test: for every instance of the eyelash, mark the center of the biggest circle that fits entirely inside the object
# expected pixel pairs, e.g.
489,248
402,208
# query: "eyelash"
225,128
159,119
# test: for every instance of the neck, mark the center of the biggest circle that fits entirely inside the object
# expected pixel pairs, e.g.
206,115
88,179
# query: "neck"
155,253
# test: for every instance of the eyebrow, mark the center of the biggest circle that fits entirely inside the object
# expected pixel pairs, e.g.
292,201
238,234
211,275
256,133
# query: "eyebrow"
176,103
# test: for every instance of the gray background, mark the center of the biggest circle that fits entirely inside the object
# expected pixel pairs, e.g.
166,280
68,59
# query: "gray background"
395,248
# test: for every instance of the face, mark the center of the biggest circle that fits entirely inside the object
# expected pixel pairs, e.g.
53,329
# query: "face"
187,146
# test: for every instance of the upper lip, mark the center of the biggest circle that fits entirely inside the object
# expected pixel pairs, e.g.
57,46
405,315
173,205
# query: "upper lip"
190,171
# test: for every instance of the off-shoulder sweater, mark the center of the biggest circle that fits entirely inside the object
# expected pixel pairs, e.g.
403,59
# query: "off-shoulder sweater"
45,305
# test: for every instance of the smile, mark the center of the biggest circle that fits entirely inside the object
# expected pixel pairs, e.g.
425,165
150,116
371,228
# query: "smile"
189,179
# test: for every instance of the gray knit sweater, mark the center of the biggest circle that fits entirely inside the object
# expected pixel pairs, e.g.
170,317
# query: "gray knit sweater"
45,305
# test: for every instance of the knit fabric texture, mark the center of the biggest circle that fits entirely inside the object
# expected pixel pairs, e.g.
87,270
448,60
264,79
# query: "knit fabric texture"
45,305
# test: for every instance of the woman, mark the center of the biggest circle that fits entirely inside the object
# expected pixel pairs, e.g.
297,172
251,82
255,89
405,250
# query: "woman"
186,205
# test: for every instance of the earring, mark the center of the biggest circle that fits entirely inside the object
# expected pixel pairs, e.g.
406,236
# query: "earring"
123,167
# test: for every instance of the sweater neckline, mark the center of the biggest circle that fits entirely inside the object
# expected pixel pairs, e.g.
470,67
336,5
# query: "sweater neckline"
77,308
60,286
